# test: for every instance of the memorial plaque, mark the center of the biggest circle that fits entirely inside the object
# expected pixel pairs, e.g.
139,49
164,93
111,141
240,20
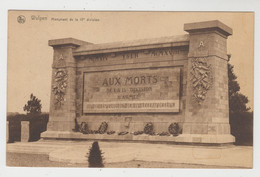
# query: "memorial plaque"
135,90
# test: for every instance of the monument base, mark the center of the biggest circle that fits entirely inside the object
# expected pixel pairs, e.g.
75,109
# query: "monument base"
181,139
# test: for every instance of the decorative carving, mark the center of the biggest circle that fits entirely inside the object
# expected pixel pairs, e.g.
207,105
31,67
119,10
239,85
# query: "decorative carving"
60,86
201,44
201,78
60,62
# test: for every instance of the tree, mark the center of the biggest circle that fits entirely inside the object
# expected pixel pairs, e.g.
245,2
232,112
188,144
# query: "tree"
237,101
33,105
241,121
95,158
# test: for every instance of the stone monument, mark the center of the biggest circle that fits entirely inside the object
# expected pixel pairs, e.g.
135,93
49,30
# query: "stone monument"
177,79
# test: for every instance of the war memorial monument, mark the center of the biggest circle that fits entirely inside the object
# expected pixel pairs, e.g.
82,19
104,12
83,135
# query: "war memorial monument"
176,80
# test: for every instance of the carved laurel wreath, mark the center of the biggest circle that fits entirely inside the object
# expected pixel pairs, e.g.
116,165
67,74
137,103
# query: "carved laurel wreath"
60,86
201,78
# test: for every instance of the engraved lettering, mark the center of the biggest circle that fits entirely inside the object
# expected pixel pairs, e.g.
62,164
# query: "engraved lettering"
105,82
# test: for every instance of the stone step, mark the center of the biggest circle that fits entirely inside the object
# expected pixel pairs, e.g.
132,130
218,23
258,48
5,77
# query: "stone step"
34,148
75,152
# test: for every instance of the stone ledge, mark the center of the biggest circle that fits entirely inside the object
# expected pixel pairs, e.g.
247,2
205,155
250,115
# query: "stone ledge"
208,25
67,41
183,138
170,41
75,152
205,138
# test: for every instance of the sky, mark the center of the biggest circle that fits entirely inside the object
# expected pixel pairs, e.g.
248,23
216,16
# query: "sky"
30,58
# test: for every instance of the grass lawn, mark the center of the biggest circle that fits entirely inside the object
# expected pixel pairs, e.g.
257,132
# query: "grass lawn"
40,160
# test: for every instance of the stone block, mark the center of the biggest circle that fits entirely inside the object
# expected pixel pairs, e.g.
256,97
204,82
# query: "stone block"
187,128
25,131
196,139
220,120
212,129
199,128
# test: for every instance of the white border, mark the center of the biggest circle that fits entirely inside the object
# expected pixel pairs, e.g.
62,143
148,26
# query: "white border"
152,5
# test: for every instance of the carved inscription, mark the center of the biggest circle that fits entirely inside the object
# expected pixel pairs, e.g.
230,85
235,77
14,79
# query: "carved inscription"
60,62
133,55
132,86
134,106
98,58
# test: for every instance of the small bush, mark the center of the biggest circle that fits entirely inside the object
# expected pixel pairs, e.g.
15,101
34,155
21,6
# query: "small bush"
95,158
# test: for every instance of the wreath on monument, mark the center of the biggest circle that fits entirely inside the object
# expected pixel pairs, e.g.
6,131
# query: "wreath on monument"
138,132
148,128
123,133
174,129
164,134
111,132
84,128
103,128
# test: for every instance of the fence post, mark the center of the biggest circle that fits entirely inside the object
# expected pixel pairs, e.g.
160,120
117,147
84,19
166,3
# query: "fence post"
25,131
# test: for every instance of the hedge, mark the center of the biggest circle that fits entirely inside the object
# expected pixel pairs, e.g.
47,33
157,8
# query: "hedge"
242,127
37,125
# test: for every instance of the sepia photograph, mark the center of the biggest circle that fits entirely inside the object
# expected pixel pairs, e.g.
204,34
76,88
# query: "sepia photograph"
130,89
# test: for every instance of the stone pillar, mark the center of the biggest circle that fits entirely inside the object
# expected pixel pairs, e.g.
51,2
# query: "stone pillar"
7,131
25,131
207,109
63,89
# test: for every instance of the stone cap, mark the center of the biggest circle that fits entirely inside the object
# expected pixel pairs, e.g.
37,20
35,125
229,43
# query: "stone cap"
67,41
170,41
207,26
